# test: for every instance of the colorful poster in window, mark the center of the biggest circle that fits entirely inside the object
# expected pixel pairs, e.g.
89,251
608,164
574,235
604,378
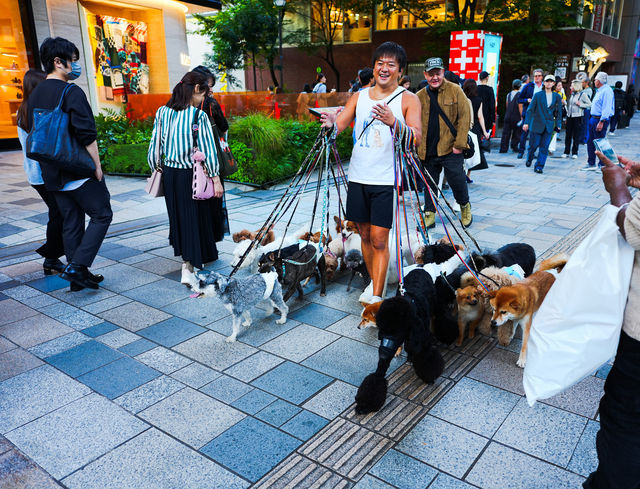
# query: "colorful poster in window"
119,49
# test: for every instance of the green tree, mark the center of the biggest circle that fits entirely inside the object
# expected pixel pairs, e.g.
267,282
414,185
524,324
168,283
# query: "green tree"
243,35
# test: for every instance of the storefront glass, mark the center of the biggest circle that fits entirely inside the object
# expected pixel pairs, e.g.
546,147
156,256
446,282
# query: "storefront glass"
13,65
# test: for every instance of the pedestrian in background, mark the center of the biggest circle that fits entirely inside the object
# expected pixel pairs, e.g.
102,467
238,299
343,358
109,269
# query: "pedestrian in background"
544,116
53,247
526,95
479,128
578,102
365,75
488,97
618,107
601,113
405,82
511,129
321,84
629,104
76,196
194,225
586,88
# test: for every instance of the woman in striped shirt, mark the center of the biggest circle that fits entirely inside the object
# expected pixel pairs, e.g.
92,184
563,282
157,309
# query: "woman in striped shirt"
194,225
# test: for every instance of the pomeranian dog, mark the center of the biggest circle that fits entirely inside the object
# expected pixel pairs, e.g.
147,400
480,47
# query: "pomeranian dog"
244,234
240,295
473,302
403,320
520,302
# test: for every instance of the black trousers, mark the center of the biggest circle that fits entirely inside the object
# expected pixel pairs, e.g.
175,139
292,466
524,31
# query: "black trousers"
618,441
453,166
510,136
93,199
573,134
54,246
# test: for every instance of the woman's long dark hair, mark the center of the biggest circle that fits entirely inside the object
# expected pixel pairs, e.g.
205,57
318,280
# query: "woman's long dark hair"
183,91
470,88
32,79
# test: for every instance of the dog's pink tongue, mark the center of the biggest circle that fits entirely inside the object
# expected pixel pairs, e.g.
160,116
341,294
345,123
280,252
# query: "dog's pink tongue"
195,295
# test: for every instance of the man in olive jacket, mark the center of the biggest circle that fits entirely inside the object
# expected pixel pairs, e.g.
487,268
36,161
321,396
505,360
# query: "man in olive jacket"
439,148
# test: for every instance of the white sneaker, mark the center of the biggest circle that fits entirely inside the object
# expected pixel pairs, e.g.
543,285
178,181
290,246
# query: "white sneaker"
589,168
612,134
367,295
575,157
564,156
188,277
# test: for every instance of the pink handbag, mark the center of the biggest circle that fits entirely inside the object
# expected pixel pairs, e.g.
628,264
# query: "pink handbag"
202,183
154,186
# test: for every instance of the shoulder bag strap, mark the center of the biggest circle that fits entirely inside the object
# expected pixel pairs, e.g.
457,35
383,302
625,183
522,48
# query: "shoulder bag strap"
64,92
371,121
444,117
158,153
194,129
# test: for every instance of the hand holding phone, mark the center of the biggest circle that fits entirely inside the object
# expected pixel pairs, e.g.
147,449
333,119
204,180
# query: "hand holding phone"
604,146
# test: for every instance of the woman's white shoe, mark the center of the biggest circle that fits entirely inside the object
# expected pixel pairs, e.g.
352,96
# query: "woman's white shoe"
188,277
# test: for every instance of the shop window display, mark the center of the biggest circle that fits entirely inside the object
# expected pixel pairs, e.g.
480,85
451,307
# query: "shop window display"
119,48
13,65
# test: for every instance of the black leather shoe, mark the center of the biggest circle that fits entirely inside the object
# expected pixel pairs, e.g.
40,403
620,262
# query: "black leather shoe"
528,163
97,278
79,275
52,265
520,156
74,287
538,170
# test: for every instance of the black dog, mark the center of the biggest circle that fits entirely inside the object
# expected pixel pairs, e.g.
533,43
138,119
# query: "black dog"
266,261
292,270
445,321
354,261
436,253
403,320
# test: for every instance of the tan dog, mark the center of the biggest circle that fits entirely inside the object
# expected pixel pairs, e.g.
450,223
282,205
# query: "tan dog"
470,311
368,314
493,278
519,302
269,237
331,262
315,237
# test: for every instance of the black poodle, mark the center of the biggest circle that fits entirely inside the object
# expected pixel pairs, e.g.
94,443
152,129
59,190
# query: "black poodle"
445,313
436,253
403,320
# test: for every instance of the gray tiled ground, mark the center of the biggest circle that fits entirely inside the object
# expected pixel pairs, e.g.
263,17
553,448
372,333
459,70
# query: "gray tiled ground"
471,429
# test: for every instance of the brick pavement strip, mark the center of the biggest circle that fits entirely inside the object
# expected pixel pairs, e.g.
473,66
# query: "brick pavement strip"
290,385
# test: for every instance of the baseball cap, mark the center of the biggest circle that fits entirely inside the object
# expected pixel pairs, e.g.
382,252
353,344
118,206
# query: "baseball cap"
483,75
550,77
582,76
433,63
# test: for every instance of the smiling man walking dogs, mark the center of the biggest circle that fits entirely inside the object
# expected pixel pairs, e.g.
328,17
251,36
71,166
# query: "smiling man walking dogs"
445,125
371,170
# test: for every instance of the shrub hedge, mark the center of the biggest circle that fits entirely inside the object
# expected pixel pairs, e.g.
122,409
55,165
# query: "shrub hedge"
267,149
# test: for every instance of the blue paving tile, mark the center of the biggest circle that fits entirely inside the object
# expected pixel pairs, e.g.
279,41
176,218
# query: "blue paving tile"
304,425
9,229
402,471
442,445
370,482
226,389
278,413
444,481
84,358
117,252
585,458
292,382
171,332
603,371
99,329
159,293
49,283
253,401
137,347
250,448
3,297
317,315
118,377
39,218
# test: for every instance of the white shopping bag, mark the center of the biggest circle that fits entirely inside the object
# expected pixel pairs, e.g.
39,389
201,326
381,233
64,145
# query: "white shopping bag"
553,143
475,159
577,327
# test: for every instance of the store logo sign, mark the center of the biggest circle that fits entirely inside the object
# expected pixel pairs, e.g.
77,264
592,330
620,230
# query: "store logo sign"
185,59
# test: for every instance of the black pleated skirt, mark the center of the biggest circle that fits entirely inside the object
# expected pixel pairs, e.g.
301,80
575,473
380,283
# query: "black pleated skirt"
194,225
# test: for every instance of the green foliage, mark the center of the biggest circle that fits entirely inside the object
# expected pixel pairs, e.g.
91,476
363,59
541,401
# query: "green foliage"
127,158
115,128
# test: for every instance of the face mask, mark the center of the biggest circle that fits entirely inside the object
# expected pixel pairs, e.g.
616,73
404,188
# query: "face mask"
76,70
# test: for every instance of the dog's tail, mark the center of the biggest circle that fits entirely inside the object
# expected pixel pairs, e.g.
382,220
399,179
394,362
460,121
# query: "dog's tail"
556,261
429,365
445,326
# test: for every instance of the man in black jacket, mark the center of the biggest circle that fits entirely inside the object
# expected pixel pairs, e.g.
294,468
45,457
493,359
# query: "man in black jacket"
486,93
511,130
618,107
75,194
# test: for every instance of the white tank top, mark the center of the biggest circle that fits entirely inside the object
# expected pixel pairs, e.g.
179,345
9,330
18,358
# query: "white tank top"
372,157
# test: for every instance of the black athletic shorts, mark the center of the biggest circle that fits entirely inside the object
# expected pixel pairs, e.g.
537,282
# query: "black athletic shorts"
370,203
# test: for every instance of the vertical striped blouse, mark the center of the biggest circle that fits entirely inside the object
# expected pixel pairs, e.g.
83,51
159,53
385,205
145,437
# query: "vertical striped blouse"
177,142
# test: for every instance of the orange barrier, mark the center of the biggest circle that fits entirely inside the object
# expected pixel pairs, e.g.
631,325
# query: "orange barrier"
294,105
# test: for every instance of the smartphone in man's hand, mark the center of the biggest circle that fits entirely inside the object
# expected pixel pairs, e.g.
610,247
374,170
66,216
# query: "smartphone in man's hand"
604,146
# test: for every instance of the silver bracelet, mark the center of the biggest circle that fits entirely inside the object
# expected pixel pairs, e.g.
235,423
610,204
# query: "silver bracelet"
623,206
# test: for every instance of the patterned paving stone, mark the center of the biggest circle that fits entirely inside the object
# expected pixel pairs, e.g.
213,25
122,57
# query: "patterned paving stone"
317,315
84,358
583,398
346,448
83,297
253,401
300,342
118,338
404,383
557,432
75,434
116,378
278,382
444,481
31,394
159,293
120,277
278,413
59,345
370,482
442,445
585,458
137,347
171,332
192,417
393,421
304,425
202,311
106,304
226,389
134,316
195,375
147,394
402,471
167,463
6,345
211,349
34,330
332,400
163,360
475,406
17,471
517,470
99,329
16,361
261,330
300,472
254,366
499,369
236,448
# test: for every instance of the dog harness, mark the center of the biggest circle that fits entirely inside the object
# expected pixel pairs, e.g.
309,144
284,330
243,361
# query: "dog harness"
269,280
515,271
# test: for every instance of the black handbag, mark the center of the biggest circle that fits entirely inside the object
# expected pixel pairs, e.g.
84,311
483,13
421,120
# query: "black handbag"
51,142
227,163
466,153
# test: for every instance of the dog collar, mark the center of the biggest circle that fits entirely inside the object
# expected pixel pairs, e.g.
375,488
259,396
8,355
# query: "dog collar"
515,271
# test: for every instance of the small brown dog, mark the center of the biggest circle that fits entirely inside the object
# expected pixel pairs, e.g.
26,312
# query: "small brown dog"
470,311
315,237
519,302
332,264
368,314
269,237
